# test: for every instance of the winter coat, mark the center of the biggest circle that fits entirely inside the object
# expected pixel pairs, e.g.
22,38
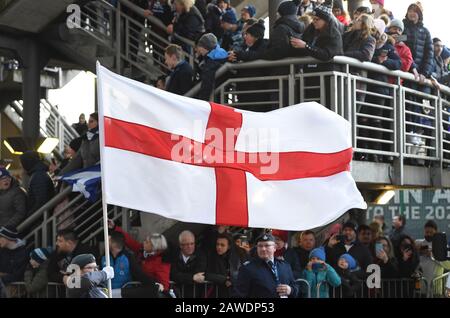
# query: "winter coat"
420,43
222,268
298,258
13,262
358,48
208,68
87,156
407,269
36,280
279,45
254,52
153,266
190,24
393,63
405,56
161,11
180,80
325,277
40,188
13,205
92,285
359,252
232,41
350,282
324,45
440,72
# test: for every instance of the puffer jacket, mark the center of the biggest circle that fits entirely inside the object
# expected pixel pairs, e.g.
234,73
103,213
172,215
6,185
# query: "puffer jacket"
326,277
420,43
358,48
207,70
13,205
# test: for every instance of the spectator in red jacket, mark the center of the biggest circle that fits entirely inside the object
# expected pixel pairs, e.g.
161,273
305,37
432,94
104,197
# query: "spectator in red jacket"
150,254
395,29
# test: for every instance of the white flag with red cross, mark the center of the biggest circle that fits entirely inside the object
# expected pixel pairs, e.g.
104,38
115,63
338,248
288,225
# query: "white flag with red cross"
201,162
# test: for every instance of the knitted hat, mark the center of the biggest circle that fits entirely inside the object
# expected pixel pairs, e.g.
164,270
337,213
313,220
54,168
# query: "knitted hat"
418,8
288,7
319,253
9,233
381,2
283,235
229,17
257,30
83,259
40,255
208,41
324,11
350,261
397,23
364,10
349,225
4,173
251,10
380,25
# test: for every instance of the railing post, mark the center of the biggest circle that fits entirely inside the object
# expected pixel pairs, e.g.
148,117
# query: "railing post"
436,168
118,46
291,84
44,230
399,102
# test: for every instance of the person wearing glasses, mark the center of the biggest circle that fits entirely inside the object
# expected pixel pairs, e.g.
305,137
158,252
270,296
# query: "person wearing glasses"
265,276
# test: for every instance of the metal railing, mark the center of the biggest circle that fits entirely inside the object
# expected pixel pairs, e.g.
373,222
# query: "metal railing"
134,41
52,290
438,286
52,123
391,122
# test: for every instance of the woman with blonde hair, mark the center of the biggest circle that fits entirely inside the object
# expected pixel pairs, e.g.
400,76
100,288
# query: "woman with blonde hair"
359,42
188,21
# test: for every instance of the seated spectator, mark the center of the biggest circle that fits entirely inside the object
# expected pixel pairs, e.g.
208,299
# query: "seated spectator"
81,127
306,6
347,269
395,29
126,267
440,72
214,18
407,257
350,245
341,15
93,283
284,28
67,247
13,201
180,79
35,276
222,267
298,256
232,36
322,39
13,256
89,153
365,235
150,255
188,22
383,253
189,266
281,243
398,229
212,57
320,275
359,42
41,188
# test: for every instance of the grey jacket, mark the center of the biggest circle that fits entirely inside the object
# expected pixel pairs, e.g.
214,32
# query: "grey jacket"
13,205
87,156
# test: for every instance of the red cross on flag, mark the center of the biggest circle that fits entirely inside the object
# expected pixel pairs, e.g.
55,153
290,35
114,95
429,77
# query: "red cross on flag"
201,162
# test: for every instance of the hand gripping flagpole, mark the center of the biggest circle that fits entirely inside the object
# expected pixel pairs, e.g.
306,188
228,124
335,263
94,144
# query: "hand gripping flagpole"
102,147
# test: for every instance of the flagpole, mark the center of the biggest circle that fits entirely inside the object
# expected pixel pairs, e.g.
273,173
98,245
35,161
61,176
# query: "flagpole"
102,147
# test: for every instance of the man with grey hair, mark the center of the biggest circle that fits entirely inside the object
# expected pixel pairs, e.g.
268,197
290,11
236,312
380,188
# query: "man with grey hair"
188,268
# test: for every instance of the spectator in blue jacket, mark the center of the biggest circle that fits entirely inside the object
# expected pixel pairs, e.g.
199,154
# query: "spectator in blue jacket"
320,274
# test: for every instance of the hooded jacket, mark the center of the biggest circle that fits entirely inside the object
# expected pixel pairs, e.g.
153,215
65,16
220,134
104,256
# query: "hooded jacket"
13,205
190,24
279,45
208,68
212,21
